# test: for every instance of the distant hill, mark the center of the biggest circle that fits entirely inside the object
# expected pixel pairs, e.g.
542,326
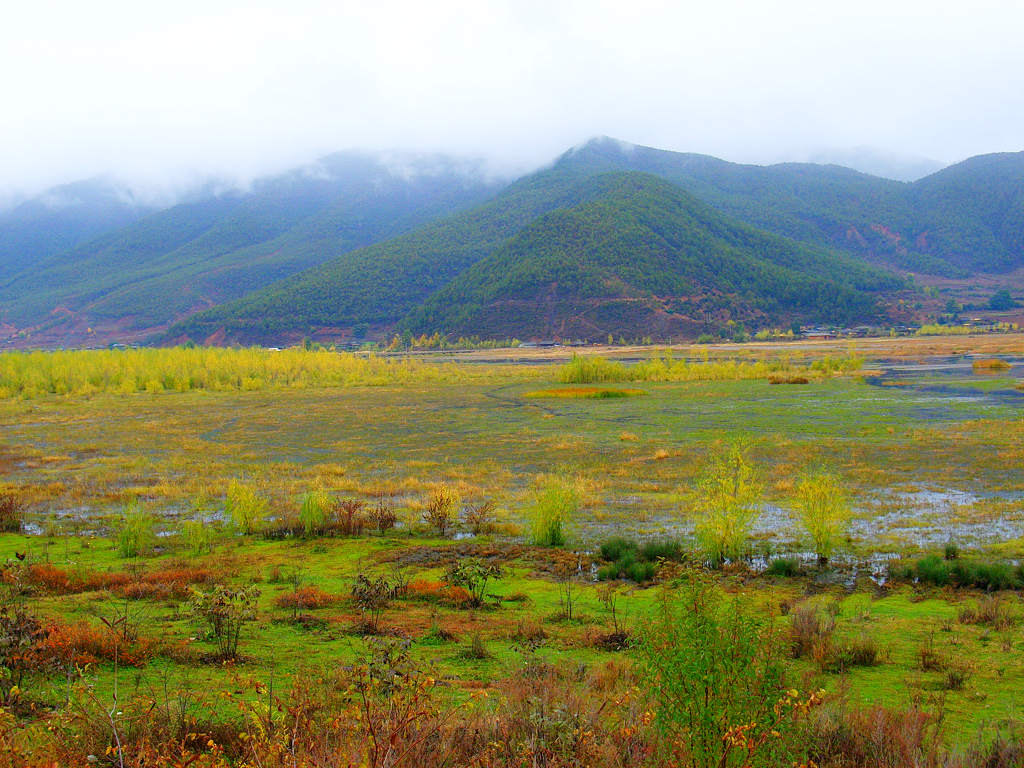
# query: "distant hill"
366,242
379,284
642,257
876,162
221,246
901,225
973,212
61,219
509,237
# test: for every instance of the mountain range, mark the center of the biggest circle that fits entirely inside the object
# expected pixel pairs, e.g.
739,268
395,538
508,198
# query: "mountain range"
611,238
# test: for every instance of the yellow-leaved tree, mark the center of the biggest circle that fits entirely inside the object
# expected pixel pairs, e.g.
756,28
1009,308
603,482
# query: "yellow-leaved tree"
824,511
726,502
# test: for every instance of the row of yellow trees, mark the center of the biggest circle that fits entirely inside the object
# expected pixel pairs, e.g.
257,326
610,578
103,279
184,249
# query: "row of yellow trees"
180,369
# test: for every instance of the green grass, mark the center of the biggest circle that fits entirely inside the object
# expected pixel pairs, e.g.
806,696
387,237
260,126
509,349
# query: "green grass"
899,622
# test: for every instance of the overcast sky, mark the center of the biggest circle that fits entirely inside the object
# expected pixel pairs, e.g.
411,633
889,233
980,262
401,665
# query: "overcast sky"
155,91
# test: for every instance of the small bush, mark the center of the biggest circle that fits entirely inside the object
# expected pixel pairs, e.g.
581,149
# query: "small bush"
12,512
473,575
861,651
989,611
225,611
137,534
81,643
479,518
440,509
437,591
198,537
20,635
718,682
437,635
382,515
477,649
810,632
956,676
551,513
349,517
245,507
877,737
313,512
928,658
372,597
821,504
726,499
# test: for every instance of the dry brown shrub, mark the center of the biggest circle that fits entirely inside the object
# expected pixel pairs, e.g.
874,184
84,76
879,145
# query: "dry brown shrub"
306,598
80,643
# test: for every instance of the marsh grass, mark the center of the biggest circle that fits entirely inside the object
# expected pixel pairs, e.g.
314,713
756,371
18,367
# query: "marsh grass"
592,393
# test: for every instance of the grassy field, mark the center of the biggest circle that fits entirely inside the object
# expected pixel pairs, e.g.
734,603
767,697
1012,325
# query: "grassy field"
927,447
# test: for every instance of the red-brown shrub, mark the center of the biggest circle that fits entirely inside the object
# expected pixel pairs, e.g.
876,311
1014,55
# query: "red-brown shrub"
306,598
437,591
167,582
83,643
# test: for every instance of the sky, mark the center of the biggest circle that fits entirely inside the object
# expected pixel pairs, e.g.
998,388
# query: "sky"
161,93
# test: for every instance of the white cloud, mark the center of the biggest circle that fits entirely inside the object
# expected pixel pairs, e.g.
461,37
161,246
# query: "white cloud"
148,91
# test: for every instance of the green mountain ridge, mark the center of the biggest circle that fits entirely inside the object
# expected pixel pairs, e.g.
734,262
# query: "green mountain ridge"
356,241
643,255
938,225
408,276
220,247
63,218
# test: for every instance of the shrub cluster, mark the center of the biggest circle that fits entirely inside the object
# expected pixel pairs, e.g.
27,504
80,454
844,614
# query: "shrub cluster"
626,559
940,572
48,578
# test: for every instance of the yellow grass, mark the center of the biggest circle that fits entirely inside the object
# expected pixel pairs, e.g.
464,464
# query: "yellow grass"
990,365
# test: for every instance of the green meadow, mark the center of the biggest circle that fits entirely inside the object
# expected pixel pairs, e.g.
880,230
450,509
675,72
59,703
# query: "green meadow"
354,505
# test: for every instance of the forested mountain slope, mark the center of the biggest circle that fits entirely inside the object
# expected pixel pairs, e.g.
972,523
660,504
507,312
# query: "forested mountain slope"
385,282
642,257
61,219
224,245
